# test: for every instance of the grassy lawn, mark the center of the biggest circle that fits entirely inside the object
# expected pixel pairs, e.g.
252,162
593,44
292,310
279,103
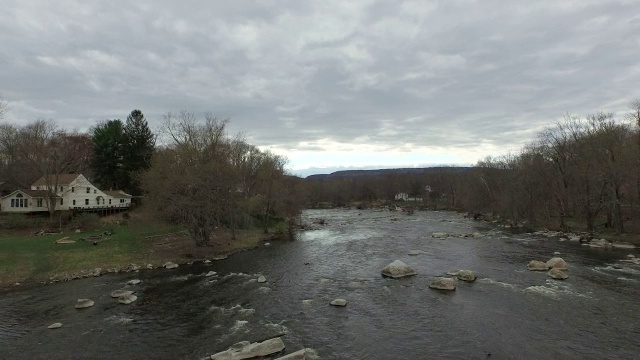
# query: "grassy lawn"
141,241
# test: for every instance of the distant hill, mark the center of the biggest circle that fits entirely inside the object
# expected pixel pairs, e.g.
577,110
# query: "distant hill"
381,172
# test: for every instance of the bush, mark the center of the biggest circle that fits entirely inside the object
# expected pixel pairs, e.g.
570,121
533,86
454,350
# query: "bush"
85,221
24,221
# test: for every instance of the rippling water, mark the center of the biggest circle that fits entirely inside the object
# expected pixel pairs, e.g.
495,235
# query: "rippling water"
509,313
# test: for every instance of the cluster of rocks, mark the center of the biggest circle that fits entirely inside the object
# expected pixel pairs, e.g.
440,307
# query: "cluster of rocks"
586,239
399,269
555,267
444,235
248,350
631,260
64,277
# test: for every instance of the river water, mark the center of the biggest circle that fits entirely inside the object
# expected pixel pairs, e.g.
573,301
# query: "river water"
508,313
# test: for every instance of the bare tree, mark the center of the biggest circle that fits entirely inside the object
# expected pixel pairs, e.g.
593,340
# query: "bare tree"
49,152
4,107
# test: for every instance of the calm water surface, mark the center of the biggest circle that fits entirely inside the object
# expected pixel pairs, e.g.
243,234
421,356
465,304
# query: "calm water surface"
509,313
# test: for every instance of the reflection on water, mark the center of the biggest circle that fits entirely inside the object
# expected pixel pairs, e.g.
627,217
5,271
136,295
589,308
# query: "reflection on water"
509,312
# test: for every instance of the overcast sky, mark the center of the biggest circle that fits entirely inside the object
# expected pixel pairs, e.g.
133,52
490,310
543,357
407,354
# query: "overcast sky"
327,83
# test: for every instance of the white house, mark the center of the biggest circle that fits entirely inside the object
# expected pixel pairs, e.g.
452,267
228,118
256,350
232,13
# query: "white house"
405,197
73,191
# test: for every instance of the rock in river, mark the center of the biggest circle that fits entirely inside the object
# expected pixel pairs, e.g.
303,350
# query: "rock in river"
415,252
210,273
84,303
262,279
339,302
466,275
246,350
535,265
397,269
556,273
134,282
121,292
170,265
304,354
557,262
443,283
439,235
127,299
54,326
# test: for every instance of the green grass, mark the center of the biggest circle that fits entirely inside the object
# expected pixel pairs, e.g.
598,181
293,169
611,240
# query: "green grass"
25,257
36,257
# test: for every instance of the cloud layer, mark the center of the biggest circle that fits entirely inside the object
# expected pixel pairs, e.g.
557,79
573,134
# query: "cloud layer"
359,81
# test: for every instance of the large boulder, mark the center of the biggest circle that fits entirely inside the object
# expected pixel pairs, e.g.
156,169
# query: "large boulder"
466,275
262,279
397,269
443,283
246,350
557,262
535,265
558,274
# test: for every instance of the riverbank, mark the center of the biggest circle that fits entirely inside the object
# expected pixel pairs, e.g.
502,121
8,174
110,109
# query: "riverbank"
115,246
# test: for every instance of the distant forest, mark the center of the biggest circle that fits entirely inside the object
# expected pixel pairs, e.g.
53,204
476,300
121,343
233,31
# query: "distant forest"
580,173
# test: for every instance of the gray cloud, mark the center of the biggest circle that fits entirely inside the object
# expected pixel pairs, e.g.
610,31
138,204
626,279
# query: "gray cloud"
296,75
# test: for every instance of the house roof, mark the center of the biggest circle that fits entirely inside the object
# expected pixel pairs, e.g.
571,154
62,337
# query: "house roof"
117,194
63,179
31,193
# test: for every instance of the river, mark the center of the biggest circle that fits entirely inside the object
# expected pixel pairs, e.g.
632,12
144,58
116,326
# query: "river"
508,313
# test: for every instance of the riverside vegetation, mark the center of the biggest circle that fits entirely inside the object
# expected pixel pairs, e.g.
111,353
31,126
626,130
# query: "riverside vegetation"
138,242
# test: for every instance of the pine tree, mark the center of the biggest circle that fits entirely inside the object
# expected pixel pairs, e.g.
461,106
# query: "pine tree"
138,146
107,161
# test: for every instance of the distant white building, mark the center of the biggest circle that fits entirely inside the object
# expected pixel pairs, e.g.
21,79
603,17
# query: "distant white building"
73,191
405,197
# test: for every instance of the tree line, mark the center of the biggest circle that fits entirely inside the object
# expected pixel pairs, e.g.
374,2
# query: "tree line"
200,177
581,172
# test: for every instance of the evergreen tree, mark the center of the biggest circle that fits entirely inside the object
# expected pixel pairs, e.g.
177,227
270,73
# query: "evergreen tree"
107,162
138,146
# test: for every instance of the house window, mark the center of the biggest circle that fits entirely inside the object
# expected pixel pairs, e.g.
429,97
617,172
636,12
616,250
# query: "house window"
19,202
39,202
61,189
86,201
88,190
74,202
73,189
109,201
61,201
95,191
